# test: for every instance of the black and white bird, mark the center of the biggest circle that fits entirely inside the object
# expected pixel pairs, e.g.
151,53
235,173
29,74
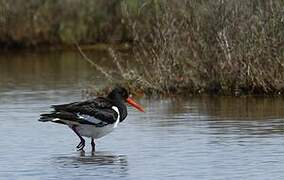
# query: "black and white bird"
93,118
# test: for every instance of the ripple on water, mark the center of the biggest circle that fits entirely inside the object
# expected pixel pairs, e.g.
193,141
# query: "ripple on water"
194,138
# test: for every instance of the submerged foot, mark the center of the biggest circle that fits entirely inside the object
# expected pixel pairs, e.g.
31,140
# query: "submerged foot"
93,145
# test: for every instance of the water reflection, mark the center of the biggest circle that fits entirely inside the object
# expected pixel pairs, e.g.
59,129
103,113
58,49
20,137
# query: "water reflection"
245,116
100,164
43,70
187,138
252,116
242,108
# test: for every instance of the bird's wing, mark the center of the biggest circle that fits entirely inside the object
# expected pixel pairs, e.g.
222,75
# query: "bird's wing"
99,103
64,117
94,110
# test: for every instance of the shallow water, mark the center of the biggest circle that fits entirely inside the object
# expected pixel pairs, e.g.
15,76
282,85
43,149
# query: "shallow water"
193,138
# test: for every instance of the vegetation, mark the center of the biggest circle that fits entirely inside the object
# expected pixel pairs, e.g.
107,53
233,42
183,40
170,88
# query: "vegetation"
52,22
228,47
186,46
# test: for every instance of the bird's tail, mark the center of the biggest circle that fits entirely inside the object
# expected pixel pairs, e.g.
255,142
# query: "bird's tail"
63,117
57,117
47,117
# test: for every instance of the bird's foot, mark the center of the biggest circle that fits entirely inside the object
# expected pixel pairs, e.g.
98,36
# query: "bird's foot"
81,145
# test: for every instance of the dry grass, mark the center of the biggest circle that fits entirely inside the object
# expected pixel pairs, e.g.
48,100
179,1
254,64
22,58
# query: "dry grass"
32,23
179,47
221,47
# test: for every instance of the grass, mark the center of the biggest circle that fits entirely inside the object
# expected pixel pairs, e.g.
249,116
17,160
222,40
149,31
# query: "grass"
217,47
232,47
33,23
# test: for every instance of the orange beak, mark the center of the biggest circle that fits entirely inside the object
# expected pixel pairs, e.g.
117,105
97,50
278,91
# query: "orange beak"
134,104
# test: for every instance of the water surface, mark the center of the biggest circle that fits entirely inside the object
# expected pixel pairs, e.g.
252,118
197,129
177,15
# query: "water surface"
193,138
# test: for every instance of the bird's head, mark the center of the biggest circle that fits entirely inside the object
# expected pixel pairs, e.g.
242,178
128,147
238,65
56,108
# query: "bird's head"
122,93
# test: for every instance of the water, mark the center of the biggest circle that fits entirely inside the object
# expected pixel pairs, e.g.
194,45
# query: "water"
192,138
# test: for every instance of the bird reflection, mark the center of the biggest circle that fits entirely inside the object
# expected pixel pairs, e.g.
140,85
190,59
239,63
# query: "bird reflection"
99,163
102,158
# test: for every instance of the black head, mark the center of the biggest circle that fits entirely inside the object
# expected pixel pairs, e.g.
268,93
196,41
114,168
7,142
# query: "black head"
119,92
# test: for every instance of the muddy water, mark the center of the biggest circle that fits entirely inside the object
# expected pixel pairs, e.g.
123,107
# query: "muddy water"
193,138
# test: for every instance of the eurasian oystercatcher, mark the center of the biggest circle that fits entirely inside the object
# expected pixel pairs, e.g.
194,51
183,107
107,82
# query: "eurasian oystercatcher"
93,118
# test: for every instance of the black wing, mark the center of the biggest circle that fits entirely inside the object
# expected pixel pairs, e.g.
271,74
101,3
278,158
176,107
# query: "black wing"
99,108
89,105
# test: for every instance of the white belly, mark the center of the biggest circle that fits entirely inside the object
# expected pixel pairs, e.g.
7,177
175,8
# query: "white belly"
97,132
94,132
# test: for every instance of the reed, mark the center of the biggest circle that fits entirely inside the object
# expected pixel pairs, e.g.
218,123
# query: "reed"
34,23
221,47
179,47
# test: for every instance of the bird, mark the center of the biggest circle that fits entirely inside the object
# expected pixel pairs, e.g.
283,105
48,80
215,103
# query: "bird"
93,118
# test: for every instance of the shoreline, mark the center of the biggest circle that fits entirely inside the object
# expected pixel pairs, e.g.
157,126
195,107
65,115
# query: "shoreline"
208,90
61,47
